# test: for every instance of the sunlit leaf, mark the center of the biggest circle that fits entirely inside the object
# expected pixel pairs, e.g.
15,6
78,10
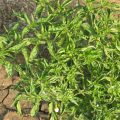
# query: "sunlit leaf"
19,108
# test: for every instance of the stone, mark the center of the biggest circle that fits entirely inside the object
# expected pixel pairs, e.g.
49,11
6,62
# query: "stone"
26,106
43,116
7,83
3,95
7,7
3,111
10,98
15,80
44,107
16,116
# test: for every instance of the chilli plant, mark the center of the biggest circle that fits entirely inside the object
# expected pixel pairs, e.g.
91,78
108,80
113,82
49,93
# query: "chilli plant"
68,57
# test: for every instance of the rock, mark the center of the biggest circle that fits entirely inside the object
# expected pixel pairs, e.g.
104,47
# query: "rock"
4,80
7,7
10,98
16,116
15,80
12,116
29,118
3,95
7,83
26,106
44,107
43,116
3,111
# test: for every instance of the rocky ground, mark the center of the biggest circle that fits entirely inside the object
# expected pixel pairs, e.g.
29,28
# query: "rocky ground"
7,95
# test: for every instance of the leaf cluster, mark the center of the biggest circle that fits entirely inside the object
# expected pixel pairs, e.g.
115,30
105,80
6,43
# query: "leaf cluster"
70,58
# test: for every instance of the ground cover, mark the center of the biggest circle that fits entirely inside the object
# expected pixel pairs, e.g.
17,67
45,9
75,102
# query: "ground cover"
65,62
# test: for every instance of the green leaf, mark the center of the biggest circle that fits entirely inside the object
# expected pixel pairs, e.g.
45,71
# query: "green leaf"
87,48
50,48
9,68
15,27
25,54
19,46
19,108
66,3
74,101
118,45
50,107
35,109
33,53
39,9
2,41
25,31
27,19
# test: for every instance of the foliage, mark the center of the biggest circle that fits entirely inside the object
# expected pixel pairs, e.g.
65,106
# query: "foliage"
71,59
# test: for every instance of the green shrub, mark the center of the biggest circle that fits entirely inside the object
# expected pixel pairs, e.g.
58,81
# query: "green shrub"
71,59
